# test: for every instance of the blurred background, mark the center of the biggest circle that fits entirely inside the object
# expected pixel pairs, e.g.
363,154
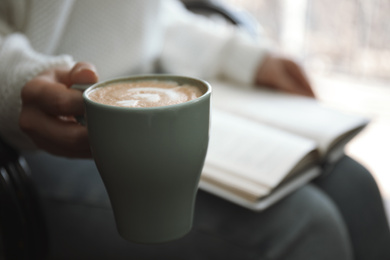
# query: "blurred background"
344,46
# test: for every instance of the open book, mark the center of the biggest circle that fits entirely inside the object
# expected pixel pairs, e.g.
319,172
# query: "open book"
266,144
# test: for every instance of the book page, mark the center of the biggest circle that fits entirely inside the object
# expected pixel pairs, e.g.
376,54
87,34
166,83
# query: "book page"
261,202
296,114
233,183
252,151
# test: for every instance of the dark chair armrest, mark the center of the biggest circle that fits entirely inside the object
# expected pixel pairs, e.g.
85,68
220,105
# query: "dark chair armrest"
22,226
216,7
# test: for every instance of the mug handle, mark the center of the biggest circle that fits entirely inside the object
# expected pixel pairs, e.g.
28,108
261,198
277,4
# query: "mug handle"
82,88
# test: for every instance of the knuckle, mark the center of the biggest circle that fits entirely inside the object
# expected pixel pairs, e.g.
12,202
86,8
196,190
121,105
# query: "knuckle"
25,122
76,136
61,104
31,89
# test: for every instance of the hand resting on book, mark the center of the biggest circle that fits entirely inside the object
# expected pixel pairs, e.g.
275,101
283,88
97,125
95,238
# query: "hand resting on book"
283,74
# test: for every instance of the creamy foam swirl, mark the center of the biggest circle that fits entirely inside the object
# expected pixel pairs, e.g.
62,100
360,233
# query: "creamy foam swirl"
144,94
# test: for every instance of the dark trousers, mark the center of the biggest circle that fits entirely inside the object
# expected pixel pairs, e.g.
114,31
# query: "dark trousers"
338,216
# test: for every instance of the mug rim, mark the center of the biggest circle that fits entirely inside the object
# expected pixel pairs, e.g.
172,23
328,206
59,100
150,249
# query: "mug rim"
171,77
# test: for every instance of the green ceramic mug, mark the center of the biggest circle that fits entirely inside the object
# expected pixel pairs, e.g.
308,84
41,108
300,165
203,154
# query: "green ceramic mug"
150,160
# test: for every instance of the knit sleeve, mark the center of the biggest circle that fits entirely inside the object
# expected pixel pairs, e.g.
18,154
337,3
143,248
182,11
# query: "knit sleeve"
201,47
18,64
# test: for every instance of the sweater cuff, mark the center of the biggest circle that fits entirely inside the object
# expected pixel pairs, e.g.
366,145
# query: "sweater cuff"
19,64
242,58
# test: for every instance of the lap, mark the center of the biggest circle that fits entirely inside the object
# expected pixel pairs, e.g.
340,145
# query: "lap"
355,193
305,225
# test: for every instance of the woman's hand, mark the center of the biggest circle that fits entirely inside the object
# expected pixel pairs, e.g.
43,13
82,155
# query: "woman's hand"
49,107
285,75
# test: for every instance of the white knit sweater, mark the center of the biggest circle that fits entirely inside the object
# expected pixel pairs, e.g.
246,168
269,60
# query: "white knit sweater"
120,37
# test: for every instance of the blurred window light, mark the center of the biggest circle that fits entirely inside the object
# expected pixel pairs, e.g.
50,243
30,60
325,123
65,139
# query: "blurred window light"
350,37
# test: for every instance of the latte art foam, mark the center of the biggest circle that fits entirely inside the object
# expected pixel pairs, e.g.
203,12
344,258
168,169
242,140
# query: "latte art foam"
144,94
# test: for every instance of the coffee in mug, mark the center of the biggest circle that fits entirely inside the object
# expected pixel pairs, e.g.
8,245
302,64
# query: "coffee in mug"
145,94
